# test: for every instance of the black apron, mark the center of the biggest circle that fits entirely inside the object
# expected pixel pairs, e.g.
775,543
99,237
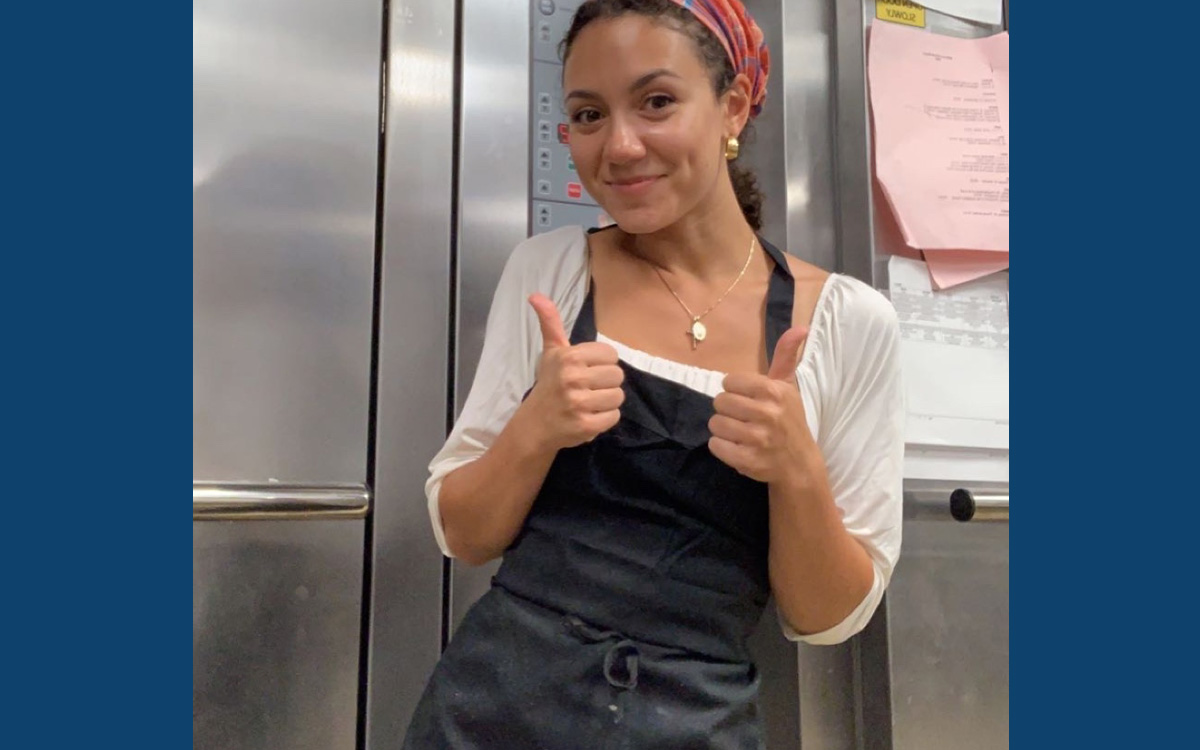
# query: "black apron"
620,614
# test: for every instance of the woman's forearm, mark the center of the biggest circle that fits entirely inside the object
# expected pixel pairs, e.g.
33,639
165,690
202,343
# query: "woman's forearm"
819,572
484,503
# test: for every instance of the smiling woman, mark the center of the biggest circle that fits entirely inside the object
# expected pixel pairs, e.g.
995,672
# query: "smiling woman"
683,422
678,111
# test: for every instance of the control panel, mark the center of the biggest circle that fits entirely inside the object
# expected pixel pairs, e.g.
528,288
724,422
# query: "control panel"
556,194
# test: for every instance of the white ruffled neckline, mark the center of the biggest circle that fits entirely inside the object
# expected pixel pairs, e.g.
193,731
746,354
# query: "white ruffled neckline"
708,382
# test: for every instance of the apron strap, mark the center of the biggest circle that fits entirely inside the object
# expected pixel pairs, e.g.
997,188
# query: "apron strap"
585,325
781,295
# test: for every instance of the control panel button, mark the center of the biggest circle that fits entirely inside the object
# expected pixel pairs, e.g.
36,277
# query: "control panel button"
545,131
564,135
543,187
543,216
544,103
544,159
546,7
574,190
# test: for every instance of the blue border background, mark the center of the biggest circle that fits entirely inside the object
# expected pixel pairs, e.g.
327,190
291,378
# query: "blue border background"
94,316
1103,387
1103,392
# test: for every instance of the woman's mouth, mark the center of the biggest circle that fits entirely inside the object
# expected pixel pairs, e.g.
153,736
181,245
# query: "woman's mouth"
633,185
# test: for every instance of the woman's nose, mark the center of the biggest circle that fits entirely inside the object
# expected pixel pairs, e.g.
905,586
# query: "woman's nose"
624,142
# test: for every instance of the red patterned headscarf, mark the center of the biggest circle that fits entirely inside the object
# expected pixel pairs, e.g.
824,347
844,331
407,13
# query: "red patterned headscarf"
742,39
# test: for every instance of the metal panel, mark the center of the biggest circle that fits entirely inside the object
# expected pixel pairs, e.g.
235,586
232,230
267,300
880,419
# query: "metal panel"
412,385
285,110
807,691
855,220
796,123
827,705
766,138
844,689
493,195
558,198
788,221
285,133
275,634
778,699
948,621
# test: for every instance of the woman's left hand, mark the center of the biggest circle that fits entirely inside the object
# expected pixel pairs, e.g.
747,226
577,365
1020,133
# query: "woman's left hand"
760,428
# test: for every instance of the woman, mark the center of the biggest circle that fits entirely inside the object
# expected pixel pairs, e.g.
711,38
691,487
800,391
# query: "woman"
645,502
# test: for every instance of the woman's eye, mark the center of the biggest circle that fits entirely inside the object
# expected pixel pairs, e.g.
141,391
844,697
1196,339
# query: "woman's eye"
585,117
660,101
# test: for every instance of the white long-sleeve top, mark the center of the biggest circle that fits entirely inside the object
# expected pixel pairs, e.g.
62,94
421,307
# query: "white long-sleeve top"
849,377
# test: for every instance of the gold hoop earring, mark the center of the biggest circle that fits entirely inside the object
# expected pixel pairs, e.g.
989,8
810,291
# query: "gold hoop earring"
731,148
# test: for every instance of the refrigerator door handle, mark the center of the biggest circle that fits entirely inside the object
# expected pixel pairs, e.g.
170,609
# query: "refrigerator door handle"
274,502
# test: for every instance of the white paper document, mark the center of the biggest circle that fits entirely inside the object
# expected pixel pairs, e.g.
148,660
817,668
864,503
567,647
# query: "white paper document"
983,11
924,462
954,355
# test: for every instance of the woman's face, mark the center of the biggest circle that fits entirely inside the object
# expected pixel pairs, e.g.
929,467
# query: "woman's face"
647,131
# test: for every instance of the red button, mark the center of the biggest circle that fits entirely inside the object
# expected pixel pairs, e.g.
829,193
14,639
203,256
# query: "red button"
574,190
564,136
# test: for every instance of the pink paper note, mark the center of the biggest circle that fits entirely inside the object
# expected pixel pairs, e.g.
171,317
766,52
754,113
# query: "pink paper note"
946,268
940,108
888,237
949,268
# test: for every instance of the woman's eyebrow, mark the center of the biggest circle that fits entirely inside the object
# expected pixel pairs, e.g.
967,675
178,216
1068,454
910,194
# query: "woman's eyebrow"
639,83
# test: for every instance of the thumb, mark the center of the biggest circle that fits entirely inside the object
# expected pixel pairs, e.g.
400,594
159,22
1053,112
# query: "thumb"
553,335
787,355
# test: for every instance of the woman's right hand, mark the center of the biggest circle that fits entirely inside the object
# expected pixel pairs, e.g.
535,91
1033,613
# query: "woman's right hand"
578,393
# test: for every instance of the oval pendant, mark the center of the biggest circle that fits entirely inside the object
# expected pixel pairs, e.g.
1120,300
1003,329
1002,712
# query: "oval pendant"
698,331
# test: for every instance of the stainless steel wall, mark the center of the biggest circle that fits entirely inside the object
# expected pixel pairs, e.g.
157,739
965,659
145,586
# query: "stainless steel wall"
284,132
493,196
948,628
275,634
285,121
414,354
789,147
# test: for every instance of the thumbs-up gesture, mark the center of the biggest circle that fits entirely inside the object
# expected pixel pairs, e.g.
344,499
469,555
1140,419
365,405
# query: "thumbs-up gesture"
760,427
578,390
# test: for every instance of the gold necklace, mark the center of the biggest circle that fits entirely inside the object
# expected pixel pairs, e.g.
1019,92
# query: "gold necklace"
698,331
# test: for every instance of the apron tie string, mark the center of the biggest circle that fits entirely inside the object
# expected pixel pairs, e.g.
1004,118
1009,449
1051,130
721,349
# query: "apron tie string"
621,660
